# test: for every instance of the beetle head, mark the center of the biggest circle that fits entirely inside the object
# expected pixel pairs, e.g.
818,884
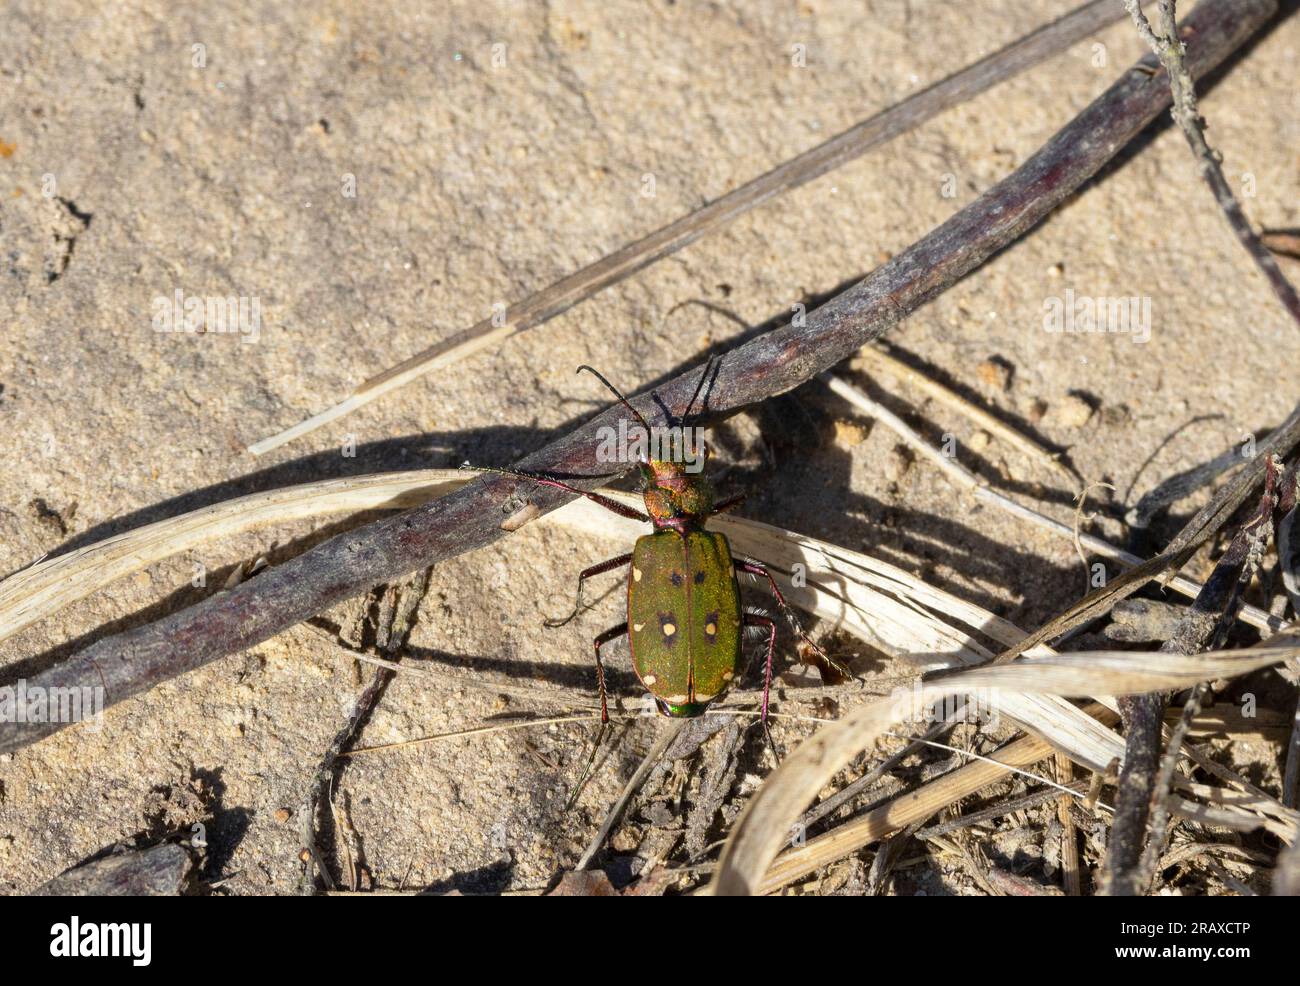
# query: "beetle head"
673,495
676,495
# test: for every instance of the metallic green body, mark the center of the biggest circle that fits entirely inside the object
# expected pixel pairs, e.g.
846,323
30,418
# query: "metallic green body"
684,617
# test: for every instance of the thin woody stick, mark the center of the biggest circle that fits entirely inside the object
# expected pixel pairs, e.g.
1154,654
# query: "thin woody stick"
622,264
230,621
1204,626
1169,48
1070,874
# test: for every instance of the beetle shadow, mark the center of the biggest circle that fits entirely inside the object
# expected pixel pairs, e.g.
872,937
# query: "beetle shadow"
578,677
775,413
490,880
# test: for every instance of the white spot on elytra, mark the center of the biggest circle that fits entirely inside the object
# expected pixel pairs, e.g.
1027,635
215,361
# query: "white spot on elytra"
637,627
650,679
669,629
728,675
636,575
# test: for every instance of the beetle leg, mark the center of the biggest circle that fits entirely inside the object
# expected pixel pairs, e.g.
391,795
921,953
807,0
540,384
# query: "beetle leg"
754,620
613,633
604,501
753,568
586,573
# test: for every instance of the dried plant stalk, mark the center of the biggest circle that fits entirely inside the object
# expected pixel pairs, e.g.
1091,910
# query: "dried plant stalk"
765,824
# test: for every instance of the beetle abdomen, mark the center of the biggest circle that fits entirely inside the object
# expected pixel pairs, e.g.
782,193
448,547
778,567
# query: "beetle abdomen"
683,614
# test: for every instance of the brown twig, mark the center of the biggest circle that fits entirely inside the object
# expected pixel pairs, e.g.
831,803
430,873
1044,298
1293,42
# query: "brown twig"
132,662
1071,877
1164,782
1170,50
1204,627
395,621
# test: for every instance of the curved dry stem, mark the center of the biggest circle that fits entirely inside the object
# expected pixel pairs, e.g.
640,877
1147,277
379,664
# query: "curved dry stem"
766,822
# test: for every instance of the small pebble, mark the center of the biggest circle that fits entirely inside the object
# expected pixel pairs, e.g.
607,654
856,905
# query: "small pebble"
1072,411
624,841
994,373
282,815
897,463
849,433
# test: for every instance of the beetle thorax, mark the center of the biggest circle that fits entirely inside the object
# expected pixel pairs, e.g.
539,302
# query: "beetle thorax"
674,497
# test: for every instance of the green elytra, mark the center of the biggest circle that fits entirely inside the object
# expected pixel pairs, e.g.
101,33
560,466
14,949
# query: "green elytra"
684,619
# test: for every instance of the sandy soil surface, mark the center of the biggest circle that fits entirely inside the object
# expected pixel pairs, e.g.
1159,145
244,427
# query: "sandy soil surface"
129,172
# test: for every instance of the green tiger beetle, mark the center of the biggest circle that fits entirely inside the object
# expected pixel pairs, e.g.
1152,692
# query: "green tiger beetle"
684,618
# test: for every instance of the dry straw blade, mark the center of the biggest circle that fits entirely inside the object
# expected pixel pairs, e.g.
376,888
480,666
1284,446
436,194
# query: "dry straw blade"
766,822
47,586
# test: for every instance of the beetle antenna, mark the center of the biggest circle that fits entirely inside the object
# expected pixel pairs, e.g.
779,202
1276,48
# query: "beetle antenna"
621,399
609,504
686,415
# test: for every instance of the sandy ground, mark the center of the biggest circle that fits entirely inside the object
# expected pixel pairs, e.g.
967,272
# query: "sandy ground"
128,172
